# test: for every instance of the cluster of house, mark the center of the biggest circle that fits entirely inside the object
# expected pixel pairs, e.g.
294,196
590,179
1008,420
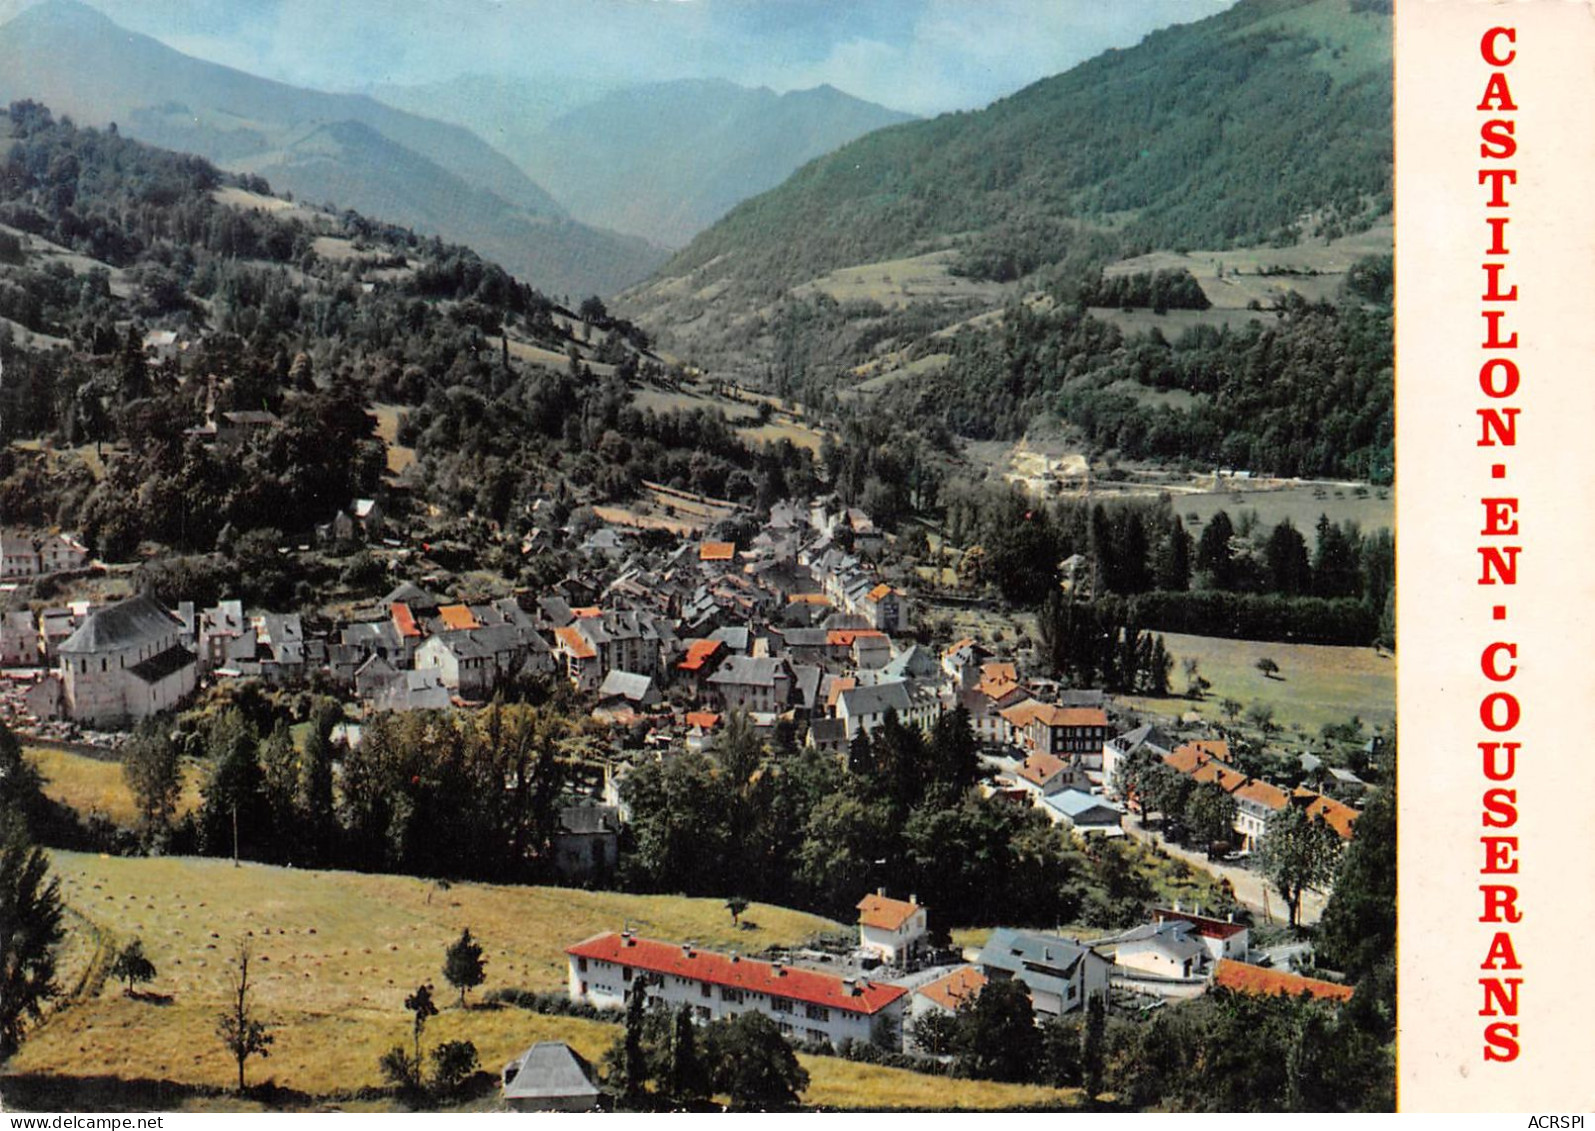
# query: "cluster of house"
25,556
1177,954
1257,802
794,626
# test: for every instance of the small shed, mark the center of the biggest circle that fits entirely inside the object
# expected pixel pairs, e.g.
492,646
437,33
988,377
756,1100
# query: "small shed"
550,1076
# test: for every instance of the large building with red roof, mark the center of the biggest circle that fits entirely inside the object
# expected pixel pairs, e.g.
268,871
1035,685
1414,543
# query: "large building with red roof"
807,1005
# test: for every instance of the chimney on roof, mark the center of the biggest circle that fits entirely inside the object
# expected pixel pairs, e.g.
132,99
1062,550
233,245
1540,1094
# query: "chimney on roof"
735,957
779,968
914,899
686,949
881,892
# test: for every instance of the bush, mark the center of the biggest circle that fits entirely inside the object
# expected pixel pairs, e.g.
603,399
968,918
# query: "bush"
452,1064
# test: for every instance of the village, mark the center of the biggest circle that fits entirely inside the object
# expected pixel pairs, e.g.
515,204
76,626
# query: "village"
665,645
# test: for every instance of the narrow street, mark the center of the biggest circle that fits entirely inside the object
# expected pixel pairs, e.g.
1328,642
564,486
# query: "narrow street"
1249,887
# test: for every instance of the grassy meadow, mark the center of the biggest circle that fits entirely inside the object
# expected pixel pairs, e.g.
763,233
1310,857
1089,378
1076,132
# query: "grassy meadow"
334,955
95,785
1316,684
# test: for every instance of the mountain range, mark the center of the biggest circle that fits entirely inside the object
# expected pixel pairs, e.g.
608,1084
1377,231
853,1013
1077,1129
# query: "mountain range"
1265,125
659,160
348,149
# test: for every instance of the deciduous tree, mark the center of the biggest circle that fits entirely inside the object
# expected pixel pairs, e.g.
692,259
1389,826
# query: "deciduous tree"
244,1034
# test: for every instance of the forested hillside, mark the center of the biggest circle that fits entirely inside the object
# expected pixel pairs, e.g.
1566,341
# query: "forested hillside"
1268,122
967,273
311,316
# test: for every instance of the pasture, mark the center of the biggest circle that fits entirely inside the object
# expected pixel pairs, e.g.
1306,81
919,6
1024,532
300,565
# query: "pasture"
334,955
95,785
1316,684
901,282
1371,508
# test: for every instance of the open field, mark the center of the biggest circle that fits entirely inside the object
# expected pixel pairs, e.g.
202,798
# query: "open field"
1173,323
1317,683
92,785
1236,277
387,416
334,956
900,282
684,400
782,425
1372,510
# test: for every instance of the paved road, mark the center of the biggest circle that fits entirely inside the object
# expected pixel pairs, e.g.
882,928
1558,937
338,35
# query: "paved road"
1248,886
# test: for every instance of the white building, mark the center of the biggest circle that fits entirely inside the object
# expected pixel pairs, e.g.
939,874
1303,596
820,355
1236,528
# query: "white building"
891,929
1061,974
1223,938
807,1005
125,663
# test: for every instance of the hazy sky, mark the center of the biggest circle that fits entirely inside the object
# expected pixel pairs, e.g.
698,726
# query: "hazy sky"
923,56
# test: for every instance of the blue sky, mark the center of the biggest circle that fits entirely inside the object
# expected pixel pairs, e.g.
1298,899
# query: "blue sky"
924,56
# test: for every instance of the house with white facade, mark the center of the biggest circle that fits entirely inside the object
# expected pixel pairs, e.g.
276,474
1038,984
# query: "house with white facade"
1061,974
806,1005
757,684
1223,938
893,930
862,709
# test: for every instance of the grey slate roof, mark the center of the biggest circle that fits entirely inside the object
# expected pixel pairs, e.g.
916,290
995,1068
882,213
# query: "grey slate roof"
1042,962
126,624
876,700
760,671
737,638
549,1070
628,685
413,595
163,664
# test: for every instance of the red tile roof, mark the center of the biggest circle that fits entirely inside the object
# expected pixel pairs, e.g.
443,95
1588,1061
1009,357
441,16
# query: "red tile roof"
1261,792
1341,818
808,599
1244,978
706,720
807,986
457,616
1039,768
1052,715
962,985
844,637
879,591
699,653
404,619
885,914
575,643
1230,781
717,551
1208,748
1205,925
1021,714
